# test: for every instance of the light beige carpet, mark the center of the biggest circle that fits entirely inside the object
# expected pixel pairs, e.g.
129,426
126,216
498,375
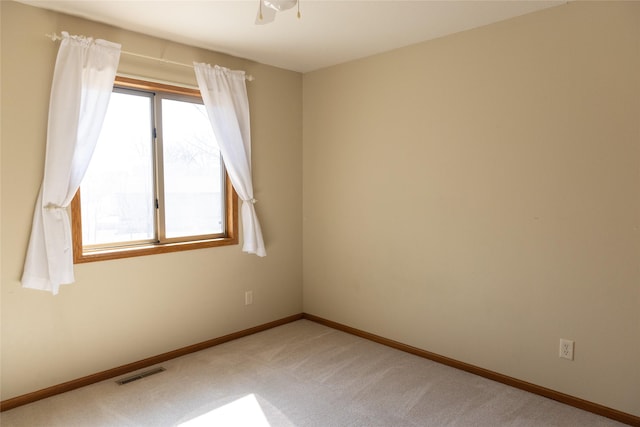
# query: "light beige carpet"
301,374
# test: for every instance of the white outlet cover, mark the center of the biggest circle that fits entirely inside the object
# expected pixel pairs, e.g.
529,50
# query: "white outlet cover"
566,349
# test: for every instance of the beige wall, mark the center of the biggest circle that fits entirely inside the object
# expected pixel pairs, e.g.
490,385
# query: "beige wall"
478,196
122,311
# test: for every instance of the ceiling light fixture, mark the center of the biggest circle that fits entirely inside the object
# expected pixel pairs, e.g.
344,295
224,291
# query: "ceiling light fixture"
267,9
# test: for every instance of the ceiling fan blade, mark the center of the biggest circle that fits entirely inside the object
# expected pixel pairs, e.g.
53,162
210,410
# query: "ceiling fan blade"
265,15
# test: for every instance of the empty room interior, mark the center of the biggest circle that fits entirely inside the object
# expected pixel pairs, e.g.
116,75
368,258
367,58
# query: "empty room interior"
473,198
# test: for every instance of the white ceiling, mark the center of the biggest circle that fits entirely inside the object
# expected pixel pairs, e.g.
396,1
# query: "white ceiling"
330,31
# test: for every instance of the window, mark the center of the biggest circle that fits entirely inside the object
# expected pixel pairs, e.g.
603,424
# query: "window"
156,182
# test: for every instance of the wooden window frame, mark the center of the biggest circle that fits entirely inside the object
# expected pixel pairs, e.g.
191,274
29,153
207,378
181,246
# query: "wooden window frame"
80,255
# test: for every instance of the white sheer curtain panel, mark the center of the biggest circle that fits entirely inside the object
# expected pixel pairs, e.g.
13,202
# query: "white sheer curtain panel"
82,83
224,93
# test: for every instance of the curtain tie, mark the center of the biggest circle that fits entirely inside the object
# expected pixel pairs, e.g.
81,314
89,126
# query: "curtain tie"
252,201
53,206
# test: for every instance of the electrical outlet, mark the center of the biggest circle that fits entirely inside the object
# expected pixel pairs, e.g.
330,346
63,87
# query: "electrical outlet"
566,349
248,298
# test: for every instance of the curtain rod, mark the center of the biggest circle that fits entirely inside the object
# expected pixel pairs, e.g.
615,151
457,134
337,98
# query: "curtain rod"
55,37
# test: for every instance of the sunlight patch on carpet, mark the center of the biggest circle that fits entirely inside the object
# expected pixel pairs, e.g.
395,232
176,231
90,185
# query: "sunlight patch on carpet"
245,411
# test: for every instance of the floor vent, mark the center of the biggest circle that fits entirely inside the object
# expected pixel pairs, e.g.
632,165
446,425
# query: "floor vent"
140,375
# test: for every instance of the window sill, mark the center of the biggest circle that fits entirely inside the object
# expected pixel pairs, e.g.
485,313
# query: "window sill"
80,256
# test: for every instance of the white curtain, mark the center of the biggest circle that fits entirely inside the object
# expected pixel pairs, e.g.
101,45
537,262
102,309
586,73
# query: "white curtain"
224,93
82,83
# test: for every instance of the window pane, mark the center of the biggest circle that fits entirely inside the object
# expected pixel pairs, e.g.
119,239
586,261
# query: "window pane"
192,172
117,191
